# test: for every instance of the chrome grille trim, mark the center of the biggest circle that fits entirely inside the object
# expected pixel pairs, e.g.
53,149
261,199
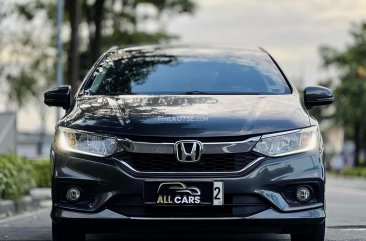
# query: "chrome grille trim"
185,173
208,147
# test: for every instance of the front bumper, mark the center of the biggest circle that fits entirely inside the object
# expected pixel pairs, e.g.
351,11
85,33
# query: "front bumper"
268,221
106,184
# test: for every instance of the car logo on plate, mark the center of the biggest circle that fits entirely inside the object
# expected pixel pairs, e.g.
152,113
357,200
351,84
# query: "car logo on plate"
178,193
180,188
188,151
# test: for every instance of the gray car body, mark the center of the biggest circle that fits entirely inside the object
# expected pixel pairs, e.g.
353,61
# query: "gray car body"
230,118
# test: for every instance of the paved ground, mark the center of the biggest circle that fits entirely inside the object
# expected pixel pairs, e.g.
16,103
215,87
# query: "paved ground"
346,209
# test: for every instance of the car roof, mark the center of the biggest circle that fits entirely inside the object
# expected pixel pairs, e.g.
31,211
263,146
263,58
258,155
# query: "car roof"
192,50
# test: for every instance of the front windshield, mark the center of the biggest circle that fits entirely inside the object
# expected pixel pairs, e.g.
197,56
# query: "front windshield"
121,74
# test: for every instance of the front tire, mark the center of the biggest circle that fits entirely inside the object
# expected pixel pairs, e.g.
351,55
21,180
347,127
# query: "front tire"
315,234
66,233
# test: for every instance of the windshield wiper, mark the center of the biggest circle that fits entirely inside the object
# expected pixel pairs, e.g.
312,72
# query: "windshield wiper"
197,92
121,93
90,92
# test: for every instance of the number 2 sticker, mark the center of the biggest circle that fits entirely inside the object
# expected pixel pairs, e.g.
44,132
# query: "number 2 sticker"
218,194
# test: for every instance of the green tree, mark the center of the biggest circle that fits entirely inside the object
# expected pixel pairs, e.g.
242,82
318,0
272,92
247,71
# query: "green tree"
27,58
350,88
29,53
117,22
103,23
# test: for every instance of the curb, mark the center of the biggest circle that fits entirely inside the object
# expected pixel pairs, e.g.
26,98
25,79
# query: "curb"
38,198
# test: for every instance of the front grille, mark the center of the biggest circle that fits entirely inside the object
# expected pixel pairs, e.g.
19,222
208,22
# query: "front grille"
167,162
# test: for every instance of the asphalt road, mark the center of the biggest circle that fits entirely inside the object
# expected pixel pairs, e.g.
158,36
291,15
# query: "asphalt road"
346,220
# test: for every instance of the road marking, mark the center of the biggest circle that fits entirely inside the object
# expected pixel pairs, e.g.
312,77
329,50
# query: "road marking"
25,215
346,191
349,227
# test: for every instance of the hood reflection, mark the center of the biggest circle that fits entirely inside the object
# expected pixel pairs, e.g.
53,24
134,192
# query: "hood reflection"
187,116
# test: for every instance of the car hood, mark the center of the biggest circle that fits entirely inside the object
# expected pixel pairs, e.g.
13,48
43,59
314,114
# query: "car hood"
187,116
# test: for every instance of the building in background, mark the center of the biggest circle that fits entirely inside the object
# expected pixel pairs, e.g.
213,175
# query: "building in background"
35,145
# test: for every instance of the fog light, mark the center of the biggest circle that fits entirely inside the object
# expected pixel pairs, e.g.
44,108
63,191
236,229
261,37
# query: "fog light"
73,194
303,193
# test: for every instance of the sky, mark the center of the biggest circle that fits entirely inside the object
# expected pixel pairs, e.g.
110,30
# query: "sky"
292,31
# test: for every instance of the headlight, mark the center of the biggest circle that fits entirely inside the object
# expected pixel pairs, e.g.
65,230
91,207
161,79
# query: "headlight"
287,143
86,143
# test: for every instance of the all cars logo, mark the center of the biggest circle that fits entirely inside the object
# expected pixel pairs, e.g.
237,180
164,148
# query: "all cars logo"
178,193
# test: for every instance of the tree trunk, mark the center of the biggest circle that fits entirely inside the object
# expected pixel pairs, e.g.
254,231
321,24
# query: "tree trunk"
357,140
73,52
42,133
96,36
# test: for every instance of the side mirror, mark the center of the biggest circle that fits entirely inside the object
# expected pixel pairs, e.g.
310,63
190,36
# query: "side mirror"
59,96
317,95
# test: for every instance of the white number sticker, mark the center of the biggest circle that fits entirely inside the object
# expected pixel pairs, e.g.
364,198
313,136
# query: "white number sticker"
218,194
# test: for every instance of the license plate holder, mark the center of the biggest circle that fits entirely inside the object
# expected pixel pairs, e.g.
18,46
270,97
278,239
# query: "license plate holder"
185,193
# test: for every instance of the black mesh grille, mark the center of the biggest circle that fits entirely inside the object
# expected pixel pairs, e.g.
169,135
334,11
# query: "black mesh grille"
234,206
168,163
